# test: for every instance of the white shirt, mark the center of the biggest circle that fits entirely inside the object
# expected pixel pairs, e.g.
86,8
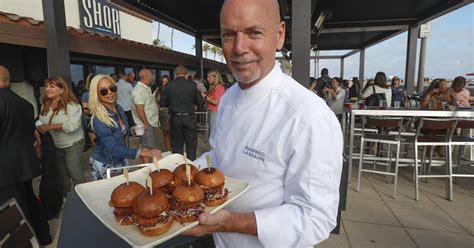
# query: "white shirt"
124,94
142,95
369,91
337,104
287,144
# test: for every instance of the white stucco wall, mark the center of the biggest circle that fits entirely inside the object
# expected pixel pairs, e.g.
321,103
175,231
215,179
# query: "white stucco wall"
132,28
29,8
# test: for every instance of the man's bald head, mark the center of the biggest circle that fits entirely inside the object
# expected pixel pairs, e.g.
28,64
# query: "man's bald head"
145,76
251,33
4,77
272,7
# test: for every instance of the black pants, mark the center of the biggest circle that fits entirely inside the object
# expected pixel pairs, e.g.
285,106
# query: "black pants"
29,204
129,115
183,129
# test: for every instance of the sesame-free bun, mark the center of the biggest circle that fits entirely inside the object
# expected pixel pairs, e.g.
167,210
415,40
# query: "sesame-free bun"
161,178
180,173
188,193
210,178
124,195
158,229
151,205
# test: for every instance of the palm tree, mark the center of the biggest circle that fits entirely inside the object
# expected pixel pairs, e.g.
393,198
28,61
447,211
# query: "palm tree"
158,43
220,53
214,50
206,49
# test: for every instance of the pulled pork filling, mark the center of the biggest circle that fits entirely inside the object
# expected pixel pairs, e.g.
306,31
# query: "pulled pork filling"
187,209
151,222
216,195
123,212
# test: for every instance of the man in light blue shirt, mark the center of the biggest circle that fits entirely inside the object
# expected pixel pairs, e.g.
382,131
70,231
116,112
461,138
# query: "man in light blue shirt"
124,97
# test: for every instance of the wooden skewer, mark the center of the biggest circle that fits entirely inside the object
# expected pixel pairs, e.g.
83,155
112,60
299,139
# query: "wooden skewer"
188,169
125,174
155,162
208,158
149,184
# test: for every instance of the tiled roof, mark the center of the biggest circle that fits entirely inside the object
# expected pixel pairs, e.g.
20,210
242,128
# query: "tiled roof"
4,16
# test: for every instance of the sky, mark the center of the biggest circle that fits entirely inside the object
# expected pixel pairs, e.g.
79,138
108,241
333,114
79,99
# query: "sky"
449,53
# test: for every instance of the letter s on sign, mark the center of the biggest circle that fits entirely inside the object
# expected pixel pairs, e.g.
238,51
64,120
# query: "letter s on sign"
86,4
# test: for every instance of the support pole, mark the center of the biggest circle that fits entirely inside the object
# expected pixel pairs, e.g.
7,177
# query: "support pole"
300,40
57,42
411,59
199,60
362,66
342,68
421,68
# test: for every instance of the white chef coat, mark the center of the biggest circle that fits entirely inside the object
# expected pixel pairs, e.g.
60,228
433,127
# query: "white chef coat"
287,144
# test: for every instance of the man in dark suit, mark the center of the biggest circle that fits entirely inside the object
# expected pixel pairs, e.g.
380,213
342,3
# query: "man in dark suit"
181,96
18,162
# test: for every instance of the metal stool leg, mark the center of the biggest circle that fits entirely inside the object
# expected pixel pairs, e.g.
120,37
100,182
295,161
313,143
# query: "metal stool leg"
361,163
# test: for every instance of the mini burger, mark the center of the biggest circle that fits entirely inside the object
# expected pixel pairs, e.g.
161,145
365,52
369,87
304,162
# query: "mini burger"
187,202
163,180
122,199
180,173
151,213
212,182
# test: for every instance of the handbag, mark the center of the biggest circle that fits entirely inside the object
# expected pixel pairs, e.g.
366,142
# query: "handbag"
375,98
50,187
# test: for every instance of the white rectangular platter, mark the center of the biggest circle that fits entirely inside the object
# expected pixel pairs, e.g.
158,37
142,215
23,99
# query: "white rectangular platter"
96,196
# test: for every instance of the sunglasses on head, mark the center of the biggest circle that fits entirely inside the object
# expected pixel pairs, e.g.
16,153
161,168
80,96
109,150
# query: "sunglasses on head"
104,91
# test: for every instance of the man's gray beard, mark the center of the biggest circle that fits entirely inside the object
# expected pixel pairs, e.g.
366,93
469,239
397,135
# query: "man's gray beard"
254,77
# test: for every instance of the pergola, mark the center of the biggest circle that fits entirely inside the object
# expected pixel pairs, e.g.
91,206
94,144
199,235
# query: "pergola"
316,24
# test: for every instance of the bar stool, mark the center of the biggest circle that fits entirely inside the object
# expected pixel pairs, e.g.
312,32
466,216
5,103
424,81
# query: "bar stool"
441,131
380,138
462,140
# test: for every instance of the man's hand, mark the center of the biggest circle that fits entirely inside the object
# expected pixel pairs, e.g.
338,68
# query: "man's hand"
210,223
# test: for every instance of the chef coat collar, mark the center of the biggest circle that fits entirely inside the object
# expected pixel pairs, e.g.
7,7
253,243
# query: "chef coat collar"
263,87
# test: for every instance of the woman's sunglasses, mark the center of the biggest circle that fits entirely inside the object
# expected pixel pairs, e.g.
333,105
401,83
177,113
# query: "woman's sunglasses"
105,91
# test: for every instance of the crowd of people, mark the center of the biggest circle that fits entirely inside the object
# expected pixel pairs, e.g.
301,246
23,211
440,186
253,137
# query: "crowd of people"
336,91
109,108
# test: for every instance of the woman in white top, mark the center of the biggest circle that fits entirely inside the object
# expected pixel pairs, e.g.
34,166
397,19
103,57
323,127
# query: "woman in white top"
61,116
335,96
380,86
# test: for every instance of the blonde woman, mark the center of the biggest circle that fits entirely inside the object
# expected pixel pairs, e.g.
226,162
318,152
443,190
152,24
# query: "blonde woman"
110,125
61,116
213,96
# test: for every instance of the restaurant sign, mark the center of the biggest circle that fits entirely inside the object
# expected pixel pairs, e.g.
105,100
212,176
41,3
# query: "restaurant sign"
99,16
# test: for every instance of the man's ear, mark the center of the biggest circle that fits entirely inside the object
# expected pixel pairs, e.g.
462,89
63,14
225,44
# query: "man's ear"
281,35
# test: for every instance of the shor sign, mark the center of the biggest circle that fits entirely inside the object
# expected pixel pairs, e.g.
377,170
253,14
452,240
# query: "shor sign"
99,16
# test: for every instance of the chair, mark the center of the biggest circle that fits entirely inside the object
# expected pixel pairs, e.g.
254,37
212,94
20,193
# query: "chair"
15,231
439,133
462,140
203,123
380,138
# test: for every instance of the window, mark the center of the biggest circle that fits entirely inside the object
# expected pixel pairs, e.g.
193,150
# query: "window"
77,78
107,70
